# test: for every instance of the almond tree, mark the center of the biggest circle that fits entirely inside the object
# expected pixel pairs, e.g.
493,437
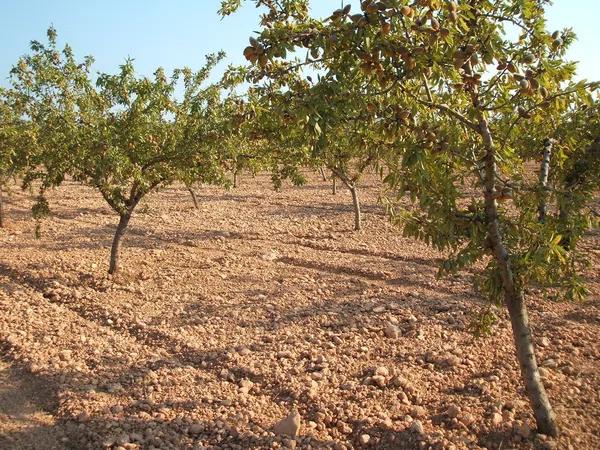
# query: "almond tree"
40,98
461,80
125,136
319,125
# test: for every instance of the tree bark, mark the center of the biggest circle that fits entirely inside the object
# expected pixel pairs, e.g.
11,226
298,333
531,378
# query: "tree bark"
513,296
235,178
116,245
544,172
193,194
519,319
357,211
322,171
333,185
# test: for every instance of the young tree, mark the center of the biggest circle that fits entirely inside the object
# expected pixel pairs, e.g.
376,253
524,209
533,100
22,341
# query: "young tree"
124,136
460,79
41,103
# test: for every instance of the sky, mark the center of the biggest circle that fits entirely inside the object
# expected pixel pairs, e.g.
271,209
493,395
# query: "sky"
179,33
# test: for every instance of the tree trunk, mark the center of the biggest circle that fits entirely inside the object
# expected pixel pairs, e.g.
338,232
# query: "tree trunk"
193,194
519,319
356,204
116,245
322,171
1,210
513,295
544,172
235,178
333,185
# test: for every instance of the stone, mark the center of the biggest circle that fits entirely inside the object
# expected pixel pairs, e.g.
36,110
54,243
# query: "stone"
467,419
289,425
496,419
245,386
418,411
383,371
379,380
244,351
550,363
289,443
195,428
453,411
364,439
65,355
417,427
391,331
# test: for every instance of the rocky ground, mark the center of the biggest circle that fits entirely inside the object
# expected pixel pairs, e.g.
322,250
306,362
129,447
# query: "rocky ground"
259,306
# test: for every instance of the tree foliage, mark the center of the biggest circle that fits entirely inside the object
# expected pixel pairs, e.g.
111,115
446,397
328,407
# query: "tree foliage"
457,87
123,134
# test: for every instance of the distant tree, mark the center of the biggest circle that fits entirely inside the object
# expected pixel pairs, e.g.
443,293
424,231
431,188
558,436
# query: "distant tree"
8,165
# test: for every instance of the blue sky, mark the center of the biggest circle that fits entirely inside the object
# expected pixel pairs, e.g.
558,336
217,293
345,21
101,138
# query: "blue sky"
179,33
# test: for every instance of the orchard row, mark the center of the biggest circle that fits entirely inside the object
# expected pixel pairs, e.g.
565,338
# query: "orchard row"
449,103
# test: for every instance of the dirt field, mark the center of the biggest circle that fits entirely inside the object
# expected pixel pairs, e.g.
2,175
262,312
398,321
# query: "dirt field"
226,318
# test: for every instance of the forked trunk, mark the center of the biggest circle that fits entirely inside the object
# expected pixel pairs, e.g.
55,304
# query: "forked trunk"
544,172
193,194
513,296
116,245
357,211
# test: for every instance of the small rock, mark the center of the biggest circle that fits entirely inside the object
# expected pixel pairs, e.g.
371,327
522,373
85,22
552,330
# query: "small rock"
418,411
289,443
364,439
417,427
391,331
550,363
383,371
65,355
379,380
496,419
545,342
196,428
467,419
289,425
453,411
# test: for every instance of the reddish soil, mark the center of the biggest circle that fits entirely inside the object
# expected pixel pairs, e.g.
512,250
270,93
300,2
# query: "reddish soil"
226,318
